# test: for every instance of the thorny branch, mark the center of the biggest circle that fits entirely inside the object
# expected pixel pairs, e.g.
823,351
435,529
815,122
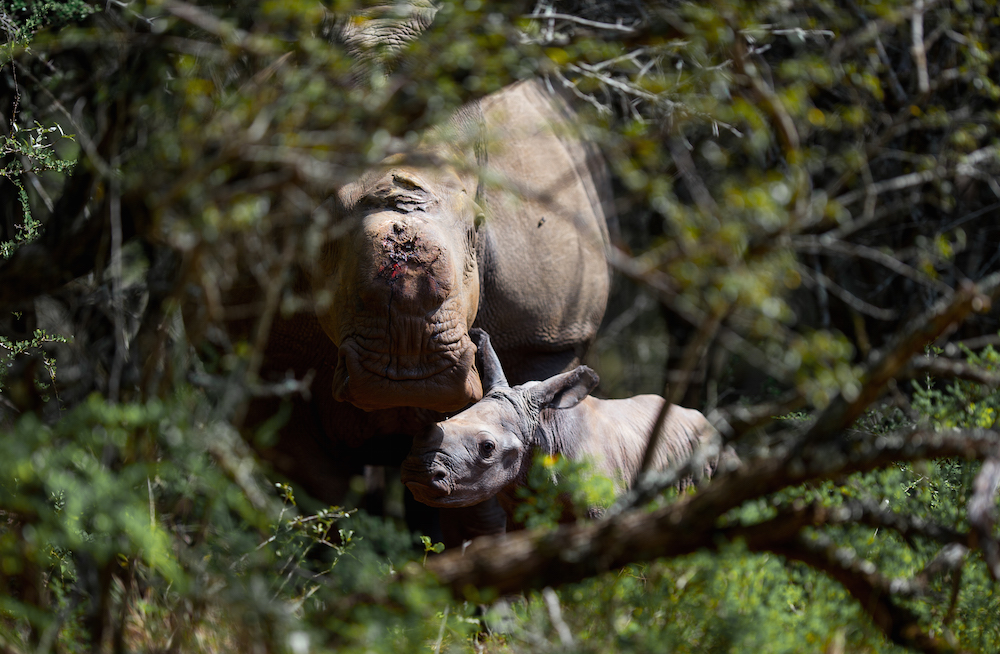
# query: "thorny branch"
576,551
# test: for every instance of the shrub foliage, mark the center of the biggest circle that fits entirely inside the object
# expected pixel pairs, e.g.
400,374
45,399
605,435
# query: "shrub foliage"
805,249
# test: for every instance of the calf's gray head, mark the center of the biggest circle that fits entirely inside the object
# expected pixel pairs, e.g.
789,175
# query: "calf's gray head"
400,289
475,454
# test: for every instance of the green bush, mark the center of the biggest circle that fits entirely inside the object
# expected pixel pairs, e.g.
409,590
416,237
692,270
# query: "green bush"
804,190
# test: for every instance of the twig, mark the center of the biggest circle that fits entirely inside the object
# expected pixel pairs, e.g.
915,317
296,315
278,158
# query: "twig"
586,97
555,614
894,184
897,88
117,303
977,343
982,513
696,186
440,636
788,134
693,353
820,280
86,142
872,29
866,512
272,298
631,56
152,506
286,388
615,27
919,52
205,21
855,224
956,585
948,559
631,89
828,245
733,422
940,367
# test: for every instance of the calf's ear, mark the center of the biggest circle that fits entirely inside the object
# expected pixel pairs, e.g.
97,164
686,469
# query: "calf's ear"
565,390
487,360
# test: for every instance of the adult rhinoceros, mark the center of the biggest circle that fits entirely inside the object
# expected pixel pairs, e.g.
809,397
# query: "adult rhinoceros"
499,221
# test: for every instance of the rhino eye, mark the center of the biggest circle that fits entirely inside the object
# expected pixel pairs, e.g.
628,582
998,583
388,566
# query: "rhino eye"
486,449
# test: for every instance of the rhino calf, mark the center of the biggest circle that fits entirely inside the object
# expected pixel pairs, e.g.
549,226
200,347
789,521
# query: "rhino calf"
487,449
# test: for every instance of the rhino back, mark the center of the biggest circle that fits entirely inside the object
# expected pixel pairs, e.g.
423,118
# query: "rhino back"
546,196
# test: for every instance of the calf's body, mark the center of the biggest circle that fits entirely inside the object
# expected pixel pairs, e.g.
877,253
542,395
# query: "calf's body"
613,434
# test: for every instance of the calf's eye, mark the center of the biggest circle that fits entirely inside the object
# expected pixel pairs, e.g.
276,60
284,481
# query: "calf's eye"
486,448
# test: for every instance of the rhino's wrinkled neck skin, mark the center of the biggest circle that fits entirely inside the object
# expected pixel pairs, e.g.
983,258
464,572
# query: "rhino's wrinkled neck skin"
404,288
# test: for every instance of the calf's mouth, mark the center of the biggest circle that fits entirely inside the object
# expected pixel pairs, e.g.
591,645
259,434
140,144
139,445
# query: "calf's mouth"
432,482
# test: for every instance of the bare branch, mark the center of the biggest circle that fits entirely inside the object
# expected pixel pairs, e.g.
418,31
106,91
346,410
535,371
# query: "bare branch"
982,513
555,614
907,526
919,52
940,367
734,421
693,353
851,226
873,28
630,89
828,245
977,343
949,558
115,270
535,559
894,184
787,132
569,18
205,21
822,281
695,185
586,97
897,88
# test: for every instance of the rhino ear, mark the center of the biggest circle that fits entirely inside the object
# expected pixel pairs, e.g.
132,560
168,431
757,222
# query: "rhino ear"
565,390
487,360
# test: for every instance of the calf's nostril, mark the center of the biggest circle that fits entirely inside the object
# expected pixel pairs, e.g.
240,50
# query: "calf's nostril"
439,476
